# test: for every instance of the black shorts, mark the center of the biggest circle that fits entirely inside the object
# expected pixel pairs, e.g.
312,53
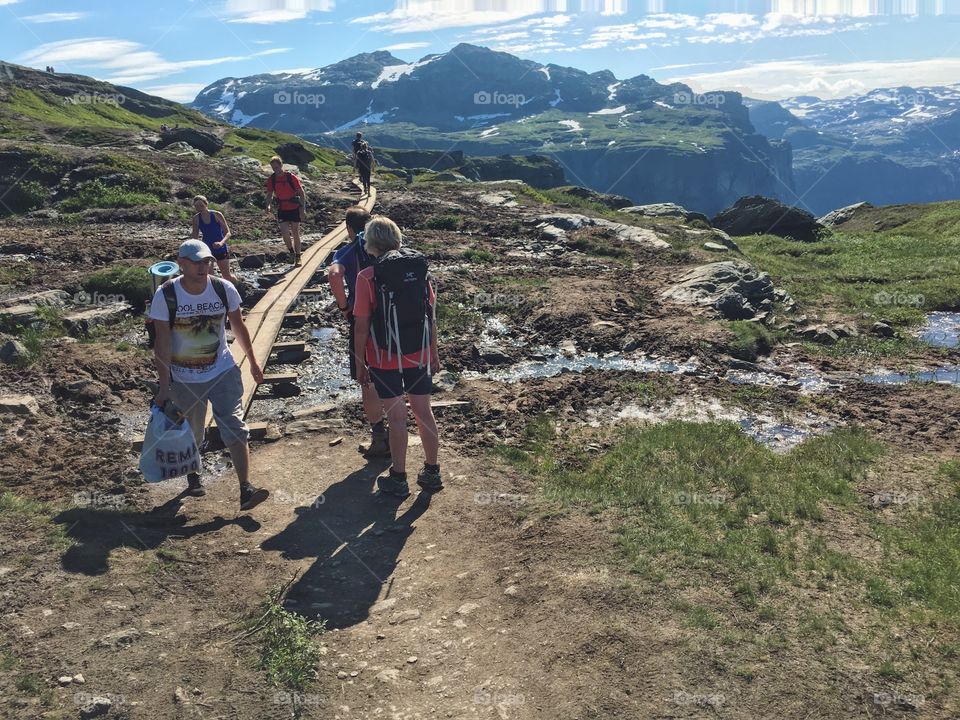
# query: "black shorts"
288,215
394,383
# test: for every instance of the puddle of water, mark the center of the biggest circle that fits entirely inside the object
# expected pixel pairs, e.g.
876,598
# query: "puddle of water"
326,334
803,378
946,375
942,330
778,434
554,364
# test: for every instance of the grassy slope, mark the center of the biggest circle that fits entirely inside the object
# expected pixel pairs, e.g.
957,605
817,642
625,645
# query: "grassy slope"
898,273
37,115
756,538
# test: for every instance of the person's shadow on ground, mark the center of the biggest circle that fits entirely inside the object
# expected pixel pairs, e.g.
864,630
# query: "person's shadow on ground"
356,538
95,532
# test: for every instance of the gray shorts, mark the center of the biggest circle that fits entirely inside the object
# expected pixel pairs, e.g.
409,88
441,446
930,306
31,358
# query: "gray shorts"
224,393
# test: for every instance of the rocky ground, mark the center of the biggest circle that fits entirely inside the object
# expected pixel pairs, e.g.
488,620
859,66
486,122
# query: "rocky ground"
484,601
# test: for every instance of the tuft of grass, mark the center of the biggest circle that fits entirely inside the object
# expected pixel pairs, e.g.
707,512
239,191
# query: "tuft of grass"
750,340
24,513
8,661
95,194
288,648
455,319
130,283
211,189
478,256
444,222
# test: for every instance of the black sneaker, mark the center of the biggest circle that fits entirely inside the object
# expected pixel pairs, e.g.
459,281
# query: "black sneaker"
251,496
194,488
429,479
393,484
379,446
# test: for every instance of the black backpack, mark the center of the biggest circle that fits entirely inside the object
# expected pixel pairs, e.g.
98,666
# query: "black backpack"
364,156
403,321
170,295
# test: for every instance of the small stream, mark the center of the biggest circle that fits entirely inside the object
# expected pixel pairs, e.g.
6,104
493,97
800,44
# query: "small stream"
941,330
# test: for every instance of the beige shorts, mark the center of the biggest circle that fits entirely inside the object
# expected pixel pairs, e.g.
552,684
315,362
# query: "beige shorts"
224,393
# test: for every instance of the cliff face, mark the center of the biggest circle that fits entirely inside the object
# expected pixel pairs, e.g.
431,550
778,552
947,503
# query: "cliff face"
704,182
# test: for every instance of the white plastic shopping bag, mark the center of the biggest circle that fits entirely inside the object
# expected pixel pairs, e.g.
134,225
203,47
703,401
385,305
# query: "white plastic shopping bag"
169,448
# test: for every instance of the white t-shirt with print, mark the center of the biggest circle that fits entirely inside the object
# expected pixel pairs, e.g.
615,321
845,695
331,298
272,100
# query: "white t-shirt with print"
199,349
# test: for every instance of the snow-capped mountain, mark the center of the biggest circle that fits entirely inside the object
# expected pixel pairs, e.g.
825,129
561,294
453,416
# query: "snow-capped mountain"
635,136
891,145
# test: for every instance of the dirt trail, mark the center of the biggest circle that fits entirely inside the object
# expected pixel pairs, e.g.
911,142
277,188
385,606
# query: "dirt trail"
435,605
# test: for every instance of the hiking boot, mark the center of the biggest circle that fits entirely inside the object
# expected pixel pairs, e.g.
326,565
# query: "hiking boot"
379,446
393,484
296,260
194,488
429,479
251,496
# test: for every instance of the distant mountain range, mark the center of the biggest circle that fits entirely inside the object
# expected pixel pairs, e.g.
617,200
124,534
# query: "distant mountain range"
634,137
895,145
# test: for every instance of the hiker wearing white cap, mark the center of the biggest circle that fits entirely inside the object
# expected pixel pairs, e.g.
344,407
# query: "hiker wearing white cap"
194,362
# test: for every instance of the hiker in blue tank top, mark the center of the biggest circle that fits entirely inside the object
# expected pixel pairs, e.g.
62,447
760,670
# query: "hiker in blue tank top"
212,226
342,275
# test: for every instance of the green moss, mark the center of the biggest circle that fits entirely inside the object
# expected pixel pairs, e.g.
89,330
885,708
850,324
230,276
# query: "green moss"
123,282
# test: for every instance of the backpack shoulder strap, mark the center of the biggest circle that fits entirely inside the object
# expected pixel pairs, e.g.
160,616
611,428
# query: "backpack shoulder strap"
170,295
221,290
290,180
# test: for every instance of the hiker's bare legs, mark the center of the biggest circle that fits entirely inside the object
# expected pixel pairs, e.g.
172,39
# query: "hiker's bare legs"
285,234
295,231
372,404
427,425
397,418
224,265
240,454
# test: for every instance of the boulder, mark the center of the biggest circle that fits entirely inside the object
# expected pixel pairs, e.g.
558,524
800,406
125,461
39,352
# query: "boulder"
844,214
205,142
716,247
734,289
759,215
252,262
614,202
451,177
721,238
13,352
244,162
882,329
295,153
18,405
665,210
86,390
491,355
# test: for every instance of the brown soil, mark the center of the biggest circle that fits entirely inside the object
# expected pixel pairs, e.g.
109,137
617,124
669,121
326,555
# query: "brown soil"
481,601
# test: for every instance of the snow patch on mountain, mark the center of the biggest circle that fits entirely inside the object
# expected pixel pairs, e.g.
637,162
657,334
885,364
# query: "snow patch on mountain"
239,118
573,125
611,111
557,99
545,70
392,73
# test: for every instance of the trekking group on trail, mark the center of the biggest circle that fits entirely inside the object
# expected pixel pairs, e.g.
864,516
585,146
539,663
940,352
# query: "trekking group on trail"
384,292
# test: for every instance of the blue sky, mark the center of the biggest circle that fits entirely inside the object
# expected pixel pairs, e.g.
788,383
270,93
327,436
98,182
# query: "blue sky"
763,48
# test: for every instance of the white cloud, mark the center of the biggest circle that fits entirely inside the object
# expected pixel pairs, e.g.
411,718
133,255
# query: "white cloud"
427,15
8,2
184,92
122,61
268,12
405,46
54,17
738,20
783,79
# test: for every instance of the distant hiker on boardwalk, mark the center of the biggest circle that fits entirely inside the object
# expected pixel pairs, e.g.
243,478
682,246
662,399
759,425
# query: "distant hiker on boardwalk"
346,265
213,227
358,141
194,362
291,205
363,161
396,348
